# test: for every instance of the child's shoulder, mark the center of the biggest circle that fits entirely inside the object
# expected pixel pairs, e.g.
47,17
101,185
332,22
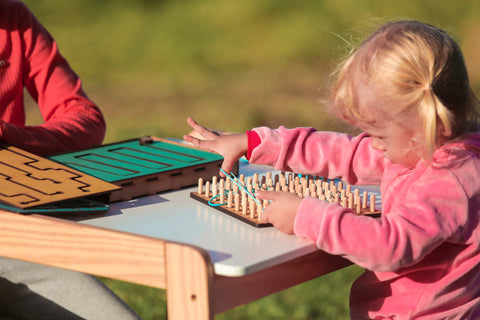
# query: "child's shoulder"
462,149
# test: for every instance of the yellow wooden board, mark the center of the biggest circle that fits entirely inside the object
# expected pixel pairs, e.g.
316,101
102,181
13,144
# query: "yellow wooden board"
27,180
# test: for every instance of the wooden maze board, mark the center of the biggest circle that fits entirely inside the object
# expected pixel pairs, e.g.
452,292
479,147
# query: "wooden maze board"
144,166
29,180
226,197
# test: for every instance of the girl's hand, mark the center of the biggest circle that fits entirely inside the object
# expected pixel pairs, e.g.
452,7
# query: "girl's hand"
231,146
282,209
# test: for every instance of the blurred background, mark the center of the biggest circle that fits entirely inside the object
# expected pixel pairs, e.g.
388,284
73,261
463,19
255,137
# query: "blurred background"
233,65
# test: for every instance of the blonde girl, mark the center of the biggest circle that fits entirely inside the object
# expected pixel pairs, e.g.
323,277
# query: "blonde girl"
407,88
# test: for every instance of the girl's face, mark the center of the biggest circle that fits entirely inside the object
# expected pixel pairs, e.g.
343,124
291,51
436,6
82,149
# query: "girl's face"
397,143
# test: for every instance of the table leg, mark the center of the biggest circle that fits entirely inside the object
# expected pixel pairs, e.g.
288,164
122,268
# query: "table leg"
189,283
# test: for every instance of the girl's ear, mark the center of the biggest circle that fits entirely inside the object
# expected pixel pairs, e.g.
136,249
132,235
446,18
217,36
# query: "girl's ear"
414,145
443,133
418,146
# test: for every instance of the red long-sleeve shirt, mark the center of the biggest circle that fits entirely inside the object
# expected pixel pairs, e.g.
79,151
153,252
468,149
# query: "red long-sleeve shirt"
29,58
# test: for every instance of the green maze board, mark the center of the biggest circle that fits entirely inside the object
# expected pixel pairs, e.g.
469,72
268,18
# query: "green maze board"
74,206
144,166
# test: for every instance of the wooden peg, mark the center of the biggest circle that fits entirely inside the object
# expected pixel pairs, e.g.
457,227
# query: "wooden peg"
255,178
228,184
222,191
229,199
207,189
214,186
236,202
252,208
200,186
365,199
372,203
350,200
244,203
336,197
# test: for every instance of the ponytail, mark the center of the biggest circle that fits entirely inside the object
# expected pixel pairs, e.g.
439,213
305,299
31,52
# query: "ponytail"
419,72
435,116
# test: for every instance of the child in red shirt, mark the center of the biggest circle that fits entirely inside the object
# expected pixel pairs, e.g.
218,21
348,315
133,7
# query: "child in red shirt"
29,58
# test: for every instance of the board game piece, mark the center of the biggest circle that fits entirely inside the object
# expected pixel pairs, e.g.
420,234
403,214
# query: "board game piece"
145,166
243,205
27,180
74,206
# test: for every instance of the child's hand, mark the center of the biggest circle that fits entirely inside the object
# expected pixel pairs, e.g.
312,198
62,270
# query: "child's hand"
282,209
231,146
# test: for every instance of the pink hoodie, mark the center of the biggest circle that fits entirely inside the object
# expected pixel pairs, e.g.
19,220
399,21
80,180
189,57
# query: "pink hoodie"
29,58
422,256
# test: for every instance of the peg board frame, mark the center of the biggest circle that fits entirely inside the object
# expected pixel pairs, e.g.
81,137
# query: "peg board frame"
328,190
231,212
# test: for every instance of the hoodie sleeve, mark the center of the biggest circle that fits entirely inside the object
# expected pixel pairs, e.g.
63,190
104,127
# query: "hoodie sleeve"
326,154
430,210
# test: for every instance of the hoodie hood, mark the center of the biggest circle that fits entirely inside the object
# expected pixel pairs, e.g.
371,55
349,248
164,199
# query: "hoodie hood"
458,149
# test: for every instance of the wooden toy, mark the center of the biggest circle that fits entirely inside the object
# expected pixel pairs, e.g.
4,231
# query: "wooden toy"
144,166
74,206
29,181
236,197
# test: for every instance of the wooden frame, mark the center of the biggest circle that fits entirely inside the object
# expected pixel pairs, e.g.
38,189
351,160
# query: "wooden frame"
144,166
194,291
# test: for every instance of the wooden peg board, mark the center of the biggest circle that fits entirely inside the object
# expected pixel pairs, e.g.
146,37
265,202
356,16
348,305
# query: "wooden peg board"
218,191
28,180
144,166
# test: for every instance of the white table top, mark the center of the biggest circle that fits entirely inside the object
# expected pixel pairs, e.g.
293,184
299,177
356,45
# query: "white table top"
236,248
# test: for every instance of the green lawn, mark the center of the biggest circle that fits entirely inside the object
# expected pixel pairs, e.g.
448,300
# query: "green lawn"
232,65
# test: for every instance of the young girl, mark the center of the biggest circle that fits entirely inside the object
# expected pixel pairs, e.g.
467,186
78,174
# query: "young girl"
407,88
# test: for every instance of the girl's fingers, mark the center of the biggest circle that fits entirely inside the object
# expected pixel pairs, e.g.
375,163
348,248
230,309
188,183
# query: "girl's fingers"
227,166
267,195
264,217
201,144
190,139
204,132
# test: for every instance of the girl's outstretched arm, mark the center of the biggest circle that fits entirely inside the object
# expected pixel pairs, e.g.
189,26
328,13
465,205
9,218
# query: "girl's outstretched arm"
231,146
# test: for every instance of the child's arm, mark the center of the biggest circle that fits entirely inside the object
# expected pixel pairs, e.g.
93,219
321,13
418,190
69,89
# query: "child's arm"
72,120
326,154
231,146
415,220
300,150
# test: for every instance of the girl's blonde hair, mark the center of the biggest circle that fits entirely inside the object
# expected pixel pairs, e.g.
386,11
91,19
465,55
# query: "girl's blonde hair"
417,70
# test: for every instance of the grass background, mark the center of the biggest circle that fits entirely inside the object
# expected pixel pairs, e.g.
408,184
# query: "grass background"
232,65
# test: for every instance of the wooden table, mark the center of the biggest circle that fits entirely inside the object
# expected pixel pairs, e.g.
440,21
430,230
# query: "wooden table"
207,261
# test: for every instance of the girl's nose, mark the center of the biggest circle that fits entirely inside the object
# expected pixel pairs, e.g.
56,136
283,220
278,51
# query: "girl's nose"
378,144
